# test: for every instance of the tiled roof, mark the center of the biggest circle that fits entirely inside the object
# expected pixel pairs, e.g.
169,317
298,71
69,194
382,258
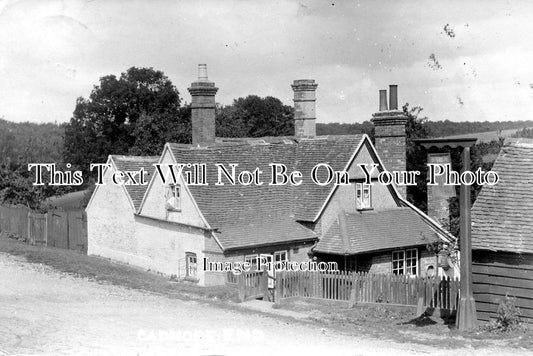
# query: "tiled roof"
135,163
502,216
256,215
369,231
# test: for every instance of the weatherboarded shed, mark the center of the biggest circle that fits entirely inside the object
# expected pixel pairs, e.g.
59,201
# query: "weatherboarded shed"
502,234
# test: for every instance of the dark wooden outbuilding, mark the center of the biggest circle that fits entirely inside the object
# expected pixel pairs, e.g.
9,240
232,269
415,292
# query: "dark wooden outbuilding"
502,234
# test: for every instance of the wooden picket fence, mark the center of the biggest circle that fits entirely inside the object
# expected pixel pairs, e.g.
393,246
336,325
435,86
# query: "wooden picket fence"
253,285
436,292
56,228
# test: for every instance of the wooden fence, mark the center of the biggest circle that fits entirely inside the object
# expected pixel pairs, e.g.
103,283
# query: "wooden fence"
56,228
253,285
14,220
434,292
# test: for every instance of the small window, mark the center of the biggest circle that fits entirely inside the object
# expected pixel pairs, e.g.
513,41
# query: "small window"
363,196
398,258
405,262
252,259
173,197
280,256
411,262
191,264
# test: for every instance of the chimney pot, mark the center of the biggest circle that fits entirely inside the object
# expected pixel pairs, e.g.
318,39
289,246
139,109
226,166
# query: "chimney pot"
383,100
393,97
390,138
202,73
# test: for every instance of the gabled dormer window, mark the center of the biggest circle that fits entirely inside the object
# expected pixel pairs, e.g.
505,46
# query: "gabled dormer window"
363,196
173,197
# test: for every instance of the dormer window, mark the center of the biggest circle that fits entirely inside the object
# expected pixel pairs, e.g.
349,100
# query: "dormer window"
173,197
363,196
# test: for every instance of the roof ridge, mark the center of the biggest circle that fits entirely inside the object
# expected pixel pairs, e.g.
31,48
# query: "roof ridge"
266,140
134,158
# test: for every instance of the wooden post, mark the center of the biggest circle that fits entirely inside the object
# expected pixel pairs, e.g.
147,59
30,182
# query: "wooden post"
264,284
421,291
29,227
241,287
466,310
277,286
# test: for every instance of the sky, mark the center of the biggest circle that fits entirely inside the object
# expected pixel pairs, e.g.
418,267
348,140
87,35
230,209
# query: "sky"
459,60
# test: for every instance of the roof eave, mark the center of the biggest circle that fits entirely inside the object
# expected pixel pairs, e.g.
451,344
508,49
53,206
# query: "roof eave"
237,248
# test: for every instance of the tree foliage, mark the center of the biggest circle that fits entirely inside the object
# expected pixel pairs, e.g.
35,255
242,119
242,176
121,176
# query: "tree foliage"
254,116
153,131
23,143
113,119
17,188
482,155
526,132
27,142
415,128
336,128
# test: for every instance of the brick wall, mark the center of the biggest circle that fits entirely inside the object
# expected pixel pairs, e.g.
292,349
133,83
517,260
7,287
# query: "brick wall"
390,141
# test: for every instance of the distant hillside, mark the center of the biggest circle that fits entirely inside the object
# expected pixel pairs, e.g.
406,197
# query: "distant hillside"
29,142
336,128
491,130
489,135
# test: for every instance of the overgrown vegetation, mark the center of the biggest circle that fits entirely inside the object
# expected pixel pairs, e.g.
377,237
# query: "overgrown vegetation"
507,317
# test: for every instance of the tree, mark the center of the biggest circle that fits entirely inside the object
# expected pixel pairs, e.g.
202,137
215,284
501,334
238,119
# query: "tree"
415,128
526,132
335,128
17,188
26,142
153,131
106,123
482,155
253,116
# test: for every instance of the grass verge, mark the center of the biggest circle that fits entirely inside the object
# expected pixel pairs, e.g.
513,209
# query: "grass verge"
401,324
105,271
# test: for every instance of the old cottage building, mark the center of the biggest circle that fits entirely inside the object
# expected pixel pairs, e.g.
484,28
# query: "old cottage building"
365,227
502,234
111,212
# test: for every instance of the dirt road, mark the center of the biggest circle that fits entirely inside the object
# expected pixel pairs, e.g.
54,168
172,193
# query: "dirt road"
46,312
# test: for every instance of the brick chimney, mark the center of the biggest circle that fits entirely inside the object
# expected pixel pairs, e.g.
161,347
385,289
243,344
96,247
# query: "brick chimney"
304,107
438,195
203,108
389,124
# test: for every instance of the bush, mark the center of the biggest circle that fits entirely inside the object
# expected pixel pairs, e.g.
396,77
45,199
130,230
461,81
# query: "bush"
508,316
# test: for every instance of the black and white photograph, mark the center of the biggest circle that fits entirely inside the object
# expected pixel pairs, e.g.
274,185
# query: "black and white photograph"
266,177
